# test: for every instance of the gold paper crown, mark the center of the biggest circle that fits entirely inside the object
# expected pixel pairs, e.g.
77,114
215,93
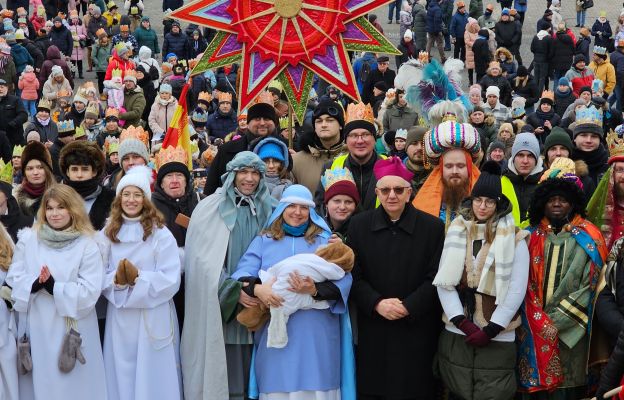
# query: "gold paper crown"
265,97
171,154
423,57
358,112
100,32
93,108
111,144
194,147
547,94
615,144
6,172
283,122
336,175
224,96
111,112
135,132
205,96
130,73
45,103
63,93
80,133
116,73
18,150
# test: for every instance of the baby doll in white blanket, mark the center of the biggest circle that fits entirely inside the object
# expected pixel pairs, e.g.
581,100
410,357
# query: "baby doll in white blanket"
328,263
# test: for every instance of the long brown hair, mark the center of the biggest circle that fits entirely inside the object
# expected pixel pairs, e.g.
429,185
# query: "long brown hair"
490,231
276,231
71,200
49,181
150,217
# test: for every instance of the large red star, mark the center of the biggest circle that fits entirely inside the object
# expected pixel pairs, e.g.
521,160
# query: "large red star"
288,40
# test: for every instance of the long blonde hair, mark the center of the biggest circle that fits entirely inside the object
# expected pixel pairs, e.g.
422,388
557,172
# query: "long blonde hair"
276,230
150,217
71,200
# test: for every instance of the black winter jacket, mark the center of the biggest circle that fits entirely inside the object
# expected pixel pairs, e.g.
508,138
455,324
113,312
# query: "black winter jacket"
603,40
562,53
507,34
178,44
524,188
14,115
529,91
503,85
482,55
542,48
62,38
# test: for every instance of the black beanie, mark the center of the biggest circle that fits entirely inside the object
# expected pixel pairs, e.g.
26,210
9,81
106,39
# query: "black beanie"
263,110
578,58
173,166
331,108
489,182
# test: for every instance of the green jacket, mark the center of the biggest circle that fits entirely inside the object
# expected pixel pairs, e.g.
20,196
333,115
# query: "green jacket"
148,38
134,103
100,56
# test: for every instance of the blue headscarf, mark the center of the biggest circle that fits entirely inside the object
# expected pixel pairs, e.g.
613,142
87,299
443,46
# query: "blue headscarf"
299,194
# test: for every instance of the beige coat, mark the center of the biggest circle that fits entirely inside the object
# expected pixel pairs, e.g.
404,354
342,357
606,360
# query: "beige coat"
470,35
160,116
307,166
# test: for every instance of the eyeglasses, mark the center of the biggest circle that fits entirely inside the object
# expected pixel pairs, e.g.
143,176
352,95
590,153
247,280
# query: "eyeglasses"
489,203
399,190
363,136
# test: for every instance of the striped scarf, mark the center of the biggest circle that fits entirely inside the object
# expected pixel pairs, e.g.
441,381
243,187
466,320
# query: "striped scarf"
456,248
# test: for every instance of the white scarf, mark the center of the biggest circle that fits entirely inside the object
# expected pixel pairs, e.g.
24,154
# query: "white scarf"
502,250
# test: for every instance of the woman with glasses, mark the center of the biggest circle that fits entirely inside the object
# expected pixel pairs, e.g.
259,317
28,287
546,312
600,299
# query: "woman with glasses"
309,366
142,273
481,284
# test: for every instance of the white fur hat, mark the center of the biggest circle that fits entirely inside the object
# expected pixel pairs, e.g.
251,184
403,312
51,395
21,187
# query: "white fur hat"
139,176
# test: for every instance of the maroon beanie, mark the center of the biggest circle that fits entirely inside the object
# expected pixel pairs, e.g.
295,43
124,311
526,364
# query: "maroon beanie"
345,187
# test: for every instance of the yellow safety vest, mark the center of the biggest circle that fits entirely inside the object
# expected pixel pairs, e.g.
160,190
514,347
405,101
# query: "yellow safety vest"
340,161
510,193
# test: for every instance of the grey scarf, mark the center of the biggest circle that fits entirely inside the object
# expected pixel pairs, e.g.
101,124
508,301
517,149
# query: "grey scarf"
57,239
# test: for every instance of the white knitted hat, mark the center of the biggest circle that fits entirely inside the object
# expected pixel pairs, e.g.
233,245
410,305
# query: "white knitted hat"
139,176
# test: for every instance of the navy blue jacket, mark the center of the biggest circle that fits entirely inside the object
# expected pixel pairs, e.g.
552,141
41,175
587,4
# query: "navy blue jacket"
434,18
458,25
62,38
219,126
604,39
177,44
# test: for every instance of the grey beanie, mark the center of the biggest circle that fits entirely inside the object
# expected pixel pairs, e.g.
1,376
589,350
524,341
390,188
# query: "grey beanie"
526,141
133,146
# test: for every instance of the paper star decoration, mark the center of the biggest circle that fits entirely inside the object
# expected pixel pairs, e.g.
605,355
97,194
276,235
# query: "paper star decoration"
287,40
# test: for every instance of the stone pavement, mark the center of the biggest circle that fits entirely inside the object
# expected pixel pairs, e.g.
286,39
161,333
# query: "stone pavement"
535,11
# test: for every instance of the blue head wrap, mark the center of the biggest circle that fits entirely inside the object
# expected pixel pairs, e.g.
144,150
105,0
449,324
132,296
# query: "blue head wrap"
299,194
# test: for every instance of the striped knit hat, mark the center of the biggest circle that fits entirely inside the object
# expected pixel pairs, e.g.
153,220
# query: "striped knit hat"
451,135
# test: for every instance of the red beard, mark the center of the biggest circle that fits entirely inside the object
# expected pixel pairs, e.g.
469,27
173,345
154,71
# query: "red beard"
454,193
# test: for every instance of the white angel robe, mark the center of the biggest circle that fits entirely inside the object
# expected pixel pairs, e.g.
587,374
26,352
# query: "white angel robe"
309,265
8,351
141,341
78,273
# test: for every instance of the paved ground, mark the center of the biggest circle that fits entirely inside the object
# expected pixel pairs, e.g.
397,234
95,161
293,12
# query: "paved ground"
535,11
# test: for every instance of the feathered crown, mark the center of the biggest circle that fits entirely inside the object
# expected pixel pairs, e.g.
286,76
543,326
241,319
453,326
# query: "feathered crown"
111,112
224,96
111,144
562,168
135,132
359,112
450,135
18,150
171,154
265,97
589,115
6,172
335,175
116,73
615,142
65,126
204,96
423,57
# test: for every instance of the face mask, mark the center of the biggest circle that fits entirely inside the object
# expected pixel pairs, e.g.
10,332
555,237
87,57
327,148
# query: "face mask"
488,13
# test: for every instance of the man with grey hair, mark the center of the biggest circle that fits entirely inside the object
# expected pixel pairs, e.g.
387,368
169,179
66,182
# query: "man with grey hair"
398,312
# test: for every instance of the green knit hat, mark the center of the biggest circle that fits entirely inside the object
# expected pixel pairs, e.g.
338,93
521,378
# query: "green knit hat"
415,134
558,136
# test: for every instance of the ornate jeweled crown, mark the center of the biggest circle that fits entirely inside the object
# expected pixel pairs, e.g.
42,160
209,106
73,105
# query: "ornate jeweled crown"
111,144
615,142
65,126
111,112
18,150
135,132
205,96
171,154
116,73
335,175
224,96
589,115
358,112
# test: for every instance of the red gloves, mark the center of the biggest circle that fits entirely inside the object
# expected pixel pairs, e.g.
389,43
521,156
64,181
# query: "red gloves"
467,326
474,335
478,339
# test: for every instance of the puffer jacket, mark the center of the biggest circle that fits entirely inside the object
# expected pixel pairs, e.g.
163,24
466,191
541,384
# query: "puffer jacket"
471,34
220,125
503,85
528,90
579,79
9,73
29,85
21,57
148,38
604,39
94,25
62,38
134,103
507,34
160,116
562,52
120,63
53,57
458,24
563,100
178,44
606,73
419,26
542,47
617,59
434,18
524,187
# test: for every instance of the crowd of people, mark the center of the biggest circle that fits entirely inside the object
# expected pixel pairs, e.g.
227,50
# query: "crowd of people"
433,240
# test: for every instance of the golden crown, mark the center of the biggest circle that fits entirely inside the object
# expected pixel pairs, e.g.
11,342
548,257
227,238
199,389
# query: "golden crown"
116,73
423,57
130,73
358,112
615,144
111,144
283,122
547,94
63,93
265,97
224,96
171,154
6,172
205,96
100,32
194,148
111,112
135,132
45,103
93,108
18,150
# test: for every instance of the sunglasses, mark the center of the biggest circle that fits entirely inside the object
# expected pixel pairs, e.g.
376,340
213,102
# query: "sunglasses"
399,190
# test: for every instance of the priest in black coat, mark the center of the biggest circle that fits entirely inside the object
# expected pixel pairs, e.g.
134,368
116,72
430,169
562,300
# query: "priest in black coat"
397,252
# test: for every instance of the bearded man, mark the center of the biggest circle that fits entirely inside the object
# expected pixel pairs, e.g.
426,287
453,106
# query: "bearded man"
454,174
